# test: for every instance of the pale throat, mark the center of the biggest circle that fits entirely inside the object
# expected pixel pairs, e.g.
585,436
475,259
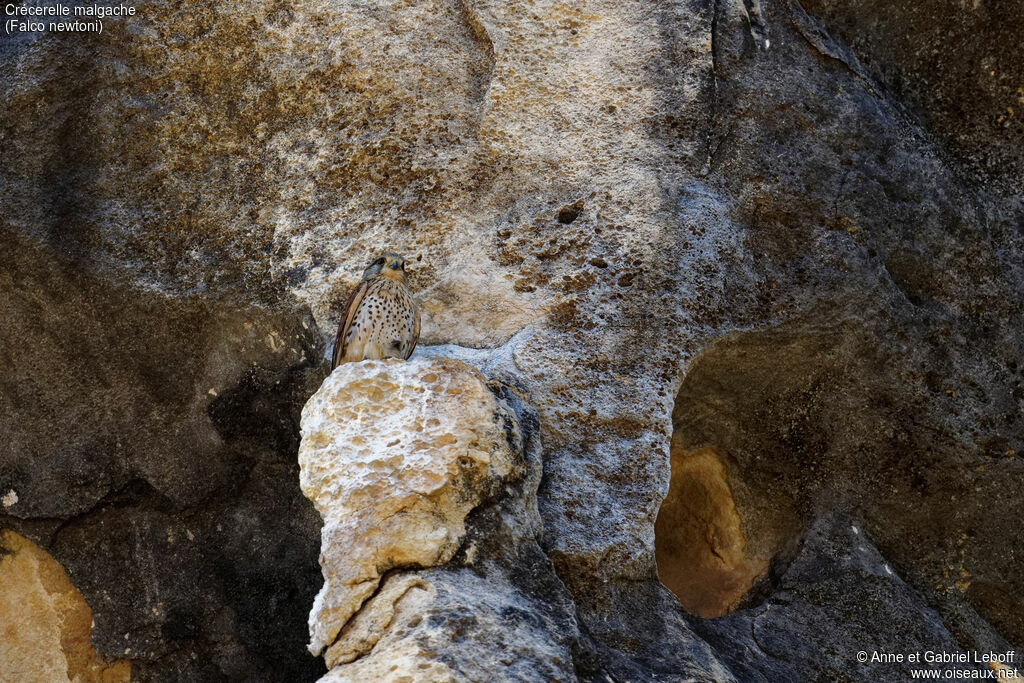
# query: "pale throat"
396,275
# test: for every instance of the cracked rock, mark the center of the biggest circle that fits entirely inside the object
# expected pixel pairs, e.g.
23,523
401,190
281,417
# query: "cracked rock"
398,457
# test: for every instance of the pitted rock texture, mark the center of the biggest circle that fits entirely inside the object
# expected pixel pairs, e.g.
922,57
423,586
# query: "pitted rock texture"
790,233
394,455
425,464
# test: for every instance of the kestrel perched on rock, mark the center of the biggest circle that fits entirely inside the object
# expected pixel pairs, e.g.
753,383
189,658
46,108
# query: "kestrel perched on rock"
380,319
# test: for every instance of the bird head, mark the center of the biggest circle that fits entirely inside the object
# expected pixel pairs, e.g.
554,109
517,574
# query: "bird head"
390,265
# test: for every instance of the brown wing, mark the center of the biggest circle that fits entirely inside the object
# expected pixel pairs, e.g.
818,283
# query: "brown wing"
415,330
355,297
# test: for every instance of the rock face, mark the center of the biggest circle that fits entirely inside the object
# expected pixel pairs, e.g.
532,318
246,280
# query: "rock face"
946,63
699,543
838,597
46,621
150,449
410,463
394,456
780,243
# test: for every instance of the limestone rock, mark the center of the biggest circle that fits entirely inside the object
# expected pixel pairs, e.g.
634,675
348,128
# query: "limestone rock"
928,55
150,449
457,625
701,551
45,621
838,597
394,455
785,232
422,464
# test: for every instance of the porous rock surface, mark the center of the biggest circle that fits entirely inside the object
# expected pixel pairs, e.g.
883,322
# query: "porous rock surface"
394,455
789,235
410,463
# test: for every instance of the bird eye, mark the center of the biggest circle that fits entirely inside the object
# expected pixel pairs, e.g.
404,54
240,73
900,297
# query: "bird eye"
394,265
379,262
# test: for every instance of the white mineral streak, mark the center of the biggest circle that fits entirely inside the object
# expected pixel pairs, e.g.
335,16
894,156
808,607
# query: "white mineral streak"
394,455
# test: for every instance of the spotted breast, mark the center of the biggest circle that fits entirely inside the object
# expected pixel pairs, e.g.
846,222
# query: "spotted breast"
381,320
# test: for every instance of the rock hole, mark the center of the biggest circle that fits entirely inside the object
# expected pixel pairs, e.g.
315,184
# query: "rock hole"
699,543
568,214
731,521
